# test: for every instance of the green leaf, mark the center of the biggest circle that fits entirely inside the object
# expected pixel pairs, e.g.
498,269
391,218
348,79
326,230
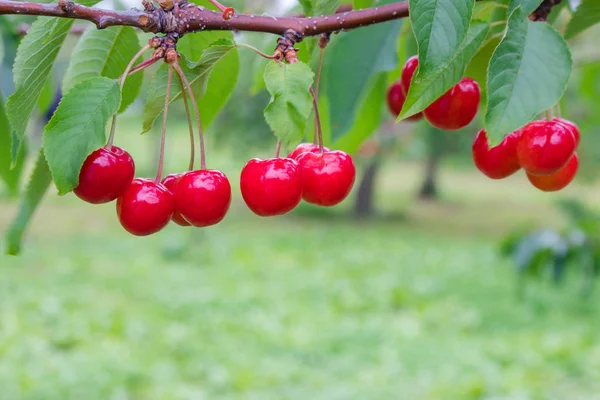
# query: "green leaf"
196,73
478,67
106,53
350,63
223,76
527,75
528,6
430,83
47,96
440,27
32,67
367,119
360,4
10,176
291,101
319,7
39,182
586,15
78,128
484,9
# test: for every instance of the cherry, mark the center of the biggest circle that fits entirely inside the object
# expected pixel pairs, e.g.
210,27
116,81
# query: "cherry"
456,108
327,178
499,161
203,197
145,208
572,127
170,182
408,72
271,187
105,175
395,100
557,180
545,147
303,148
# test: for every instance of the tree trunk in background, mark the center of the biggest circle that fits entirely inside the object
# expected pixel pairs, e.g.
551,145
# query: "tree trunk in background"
429,189
363,206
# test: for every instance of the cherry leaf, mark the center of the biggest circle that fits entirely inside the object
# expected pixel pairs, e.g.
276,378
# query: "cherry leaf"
528,6
291,101
78,127
10,176
586,15
38,185
528,74
106,53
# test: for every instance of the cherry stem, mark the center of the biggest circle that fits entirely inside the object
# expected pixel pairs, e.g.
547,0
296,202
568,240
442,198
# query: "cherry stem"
143,65
317,81
163,133
278,149
113,126
257,51
190,124
223,9
558,110
548,114
197,112
318,120
497,23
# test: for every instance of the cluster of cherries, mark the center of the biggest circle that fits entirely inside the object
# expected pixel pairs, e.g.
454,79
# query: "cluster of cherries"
545,149
454,110
202,198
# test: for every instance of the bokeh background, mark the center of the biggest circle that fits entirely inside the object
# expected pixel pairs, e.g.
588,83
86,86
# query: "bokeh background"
429,282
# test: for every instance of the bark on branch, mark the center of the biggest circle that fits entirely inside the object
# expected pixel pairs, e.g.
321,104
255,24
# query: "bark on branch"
187,17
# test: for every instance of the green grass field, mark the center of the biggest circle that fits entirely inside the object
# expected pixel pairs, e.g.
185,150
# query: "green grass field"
414,304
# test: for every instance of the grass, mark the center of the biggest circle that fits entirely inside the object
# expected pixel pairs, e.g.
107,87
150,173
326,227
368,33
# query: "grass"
414,304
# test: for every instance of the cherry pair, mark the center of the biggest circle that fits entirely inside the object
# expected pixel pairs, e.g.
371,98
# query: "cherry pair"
276,186
454,110
544,149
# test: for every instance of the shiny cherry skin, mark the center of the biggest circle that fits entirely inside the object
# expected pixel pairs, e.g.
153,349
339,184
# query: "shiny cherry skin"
557,180
573,127
327,178
545,147
203,197
105,175
303,148
456,108
408,71
395,101
500,161
145,208
170,182
271,187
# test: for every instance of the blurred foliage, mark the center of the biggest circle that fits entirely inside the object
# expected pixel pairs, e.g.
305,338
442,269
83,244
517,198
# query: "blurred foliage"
543,254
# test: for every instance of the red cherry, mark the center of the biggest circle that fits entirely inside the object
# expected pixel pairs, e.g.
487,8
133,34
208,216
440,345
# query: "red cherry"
170,182
395,100
105,175
203,197
545,147
303,148
271,187
500,161
145,208
572,127
327,178
456,108
557,180
409,71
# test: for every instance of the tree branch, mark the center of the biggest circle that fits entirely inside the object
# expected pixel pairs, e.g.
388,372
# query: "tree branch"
186,17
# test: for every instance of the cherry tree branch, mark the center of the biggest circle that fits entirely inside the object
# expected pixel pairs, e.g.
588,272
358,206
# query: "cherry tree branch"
186,17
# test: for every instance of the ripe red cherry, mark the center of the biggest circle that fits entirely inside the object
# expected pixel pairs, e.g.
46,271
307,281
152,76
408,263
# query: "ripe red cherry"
409,71
456,108
499,161
271,187
303,148
395,100
203,197
572,127
170,182
327,178
545,147
557,180
145,208
105,175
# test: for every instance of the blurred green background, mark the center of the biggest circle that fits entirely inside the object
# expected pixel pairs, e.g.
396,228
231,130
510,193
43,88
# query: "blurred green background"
401,292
